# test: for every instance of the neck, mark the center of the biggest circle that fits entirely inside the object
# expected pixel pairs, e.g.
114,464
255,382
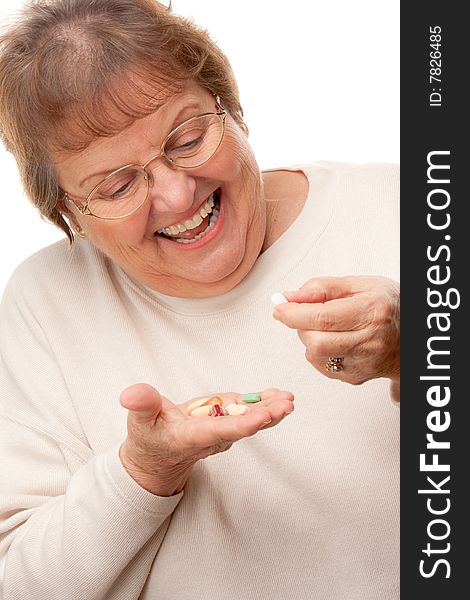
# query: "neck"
285,194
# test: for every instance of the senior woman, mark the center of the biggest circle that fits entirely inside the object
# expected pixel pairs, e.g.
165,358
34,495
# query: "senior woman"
128,132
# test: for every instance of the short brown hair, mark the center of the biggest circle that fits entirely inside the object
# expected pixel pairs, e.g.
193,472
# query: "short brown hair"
74,70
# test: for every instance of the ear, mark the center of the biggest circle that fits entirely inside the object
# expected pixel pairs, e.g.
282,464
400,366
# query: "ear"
241,123
67,212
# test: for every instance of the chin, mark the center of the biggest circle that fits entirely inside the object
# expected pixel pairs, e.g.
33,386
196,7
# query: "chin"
226,273
221,272
214,280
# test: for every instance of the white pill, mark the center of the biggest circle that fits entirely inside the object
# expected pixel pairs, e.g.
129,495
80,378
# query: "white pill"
197,404
202,411
236,409
278,298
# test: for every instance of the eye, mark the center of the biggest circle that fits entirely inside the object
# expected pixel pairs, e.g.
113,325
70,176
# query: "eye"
185,142
118,188
122,190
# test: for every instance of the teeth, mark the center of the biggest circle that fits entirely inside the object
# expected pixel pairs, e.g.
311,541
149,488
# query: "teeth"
195,221
212,222
214,216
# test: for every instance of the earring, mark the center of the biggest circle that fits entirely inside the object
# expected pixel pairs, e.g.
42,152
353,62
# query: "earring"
80,232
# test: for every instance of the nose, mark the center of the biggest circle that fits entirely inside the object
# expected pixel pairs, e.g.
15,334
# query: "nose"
171,189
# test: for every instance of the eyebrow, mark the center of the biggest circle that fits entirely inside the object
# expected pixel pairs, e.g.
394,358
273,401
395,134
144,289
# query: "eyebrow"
104,173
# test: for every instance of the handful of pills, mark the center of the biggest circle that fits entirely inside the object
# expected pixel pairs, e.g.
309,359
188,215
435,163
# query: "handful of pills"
211,406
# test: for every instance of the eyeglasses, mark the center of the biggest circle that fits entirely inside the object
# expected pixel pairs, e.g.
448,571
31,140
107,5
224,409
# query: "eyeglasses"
125,190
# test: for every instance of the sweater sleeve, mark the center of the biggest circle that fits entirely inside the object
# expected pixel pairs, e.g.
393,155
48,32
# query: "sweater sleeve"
73,524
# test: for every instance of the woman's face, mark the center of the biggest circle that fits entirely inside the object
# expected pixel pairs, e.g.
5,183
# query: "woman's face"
222,257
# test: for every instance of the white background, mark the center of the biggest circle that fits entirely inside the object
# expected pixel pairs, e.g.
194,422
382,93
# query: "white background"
319,80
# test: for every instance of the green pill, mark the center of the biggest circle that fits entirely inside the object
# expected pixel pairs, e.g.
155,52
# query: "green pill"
251,398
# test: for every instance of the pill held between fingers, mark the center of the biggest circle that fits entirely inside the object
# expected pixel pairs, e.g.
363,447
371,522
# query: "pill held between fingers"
278,298
197,404
202,411
236,409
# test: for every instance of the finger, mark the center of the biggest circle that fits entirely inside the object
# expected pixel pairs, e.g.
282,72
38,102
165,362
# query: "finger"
321,345
278,413
143,402
212,431
278,402
267,396
272,394
226,398
357,366
323,289
345,314
352,370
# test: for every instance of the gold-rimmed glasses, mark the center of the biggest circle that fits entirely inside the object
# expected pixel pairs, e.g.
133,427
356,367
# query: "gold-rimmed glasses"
124,191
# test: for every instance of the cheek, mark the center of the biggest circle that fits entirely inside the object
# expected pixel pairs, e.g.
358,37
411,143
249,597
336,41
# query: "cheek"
119,233
239,167
238,152
123,243
234,155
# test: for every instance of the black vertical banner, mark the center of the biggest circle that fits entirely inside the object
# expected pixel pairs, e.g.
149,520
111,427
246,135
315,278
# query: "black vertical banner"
435,163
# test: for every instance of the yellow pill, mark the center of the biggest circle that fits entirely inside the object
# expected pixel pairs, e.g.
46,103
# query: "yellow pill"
197,404
236,409
202,411
215,400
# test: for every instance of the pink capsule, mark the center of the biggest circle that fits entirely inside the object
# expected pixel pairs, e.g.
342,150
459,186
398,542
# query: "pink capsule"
217,410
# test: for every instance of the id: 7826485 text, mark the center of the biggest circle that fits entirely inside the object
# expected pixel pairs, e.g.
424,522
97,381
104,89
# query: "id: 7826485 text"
435,65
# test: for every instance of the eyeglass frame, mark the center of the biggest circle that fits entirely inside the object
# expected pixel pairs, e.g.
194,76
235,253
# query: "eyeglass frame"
148,177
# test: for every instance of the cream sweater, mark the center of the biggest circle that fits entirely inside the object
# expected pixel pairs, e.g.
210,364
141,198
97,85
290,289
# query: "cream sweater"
306,510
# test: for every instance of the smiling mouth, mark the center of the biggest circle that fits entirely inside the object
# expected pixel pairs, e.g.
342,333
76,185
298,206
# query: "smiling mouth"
197,226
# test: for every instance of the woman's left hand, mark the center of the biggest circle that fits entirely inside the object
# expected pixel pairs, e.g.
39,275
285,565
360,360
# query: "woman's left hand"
356,319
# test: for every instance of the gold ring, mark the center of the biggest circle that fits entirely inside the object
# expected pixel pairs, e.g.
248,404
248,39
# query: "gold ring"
334,364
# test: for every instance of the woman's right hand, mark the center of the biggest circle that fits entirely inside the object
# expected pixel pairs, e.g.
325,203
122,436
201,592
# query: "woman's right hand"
163,443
